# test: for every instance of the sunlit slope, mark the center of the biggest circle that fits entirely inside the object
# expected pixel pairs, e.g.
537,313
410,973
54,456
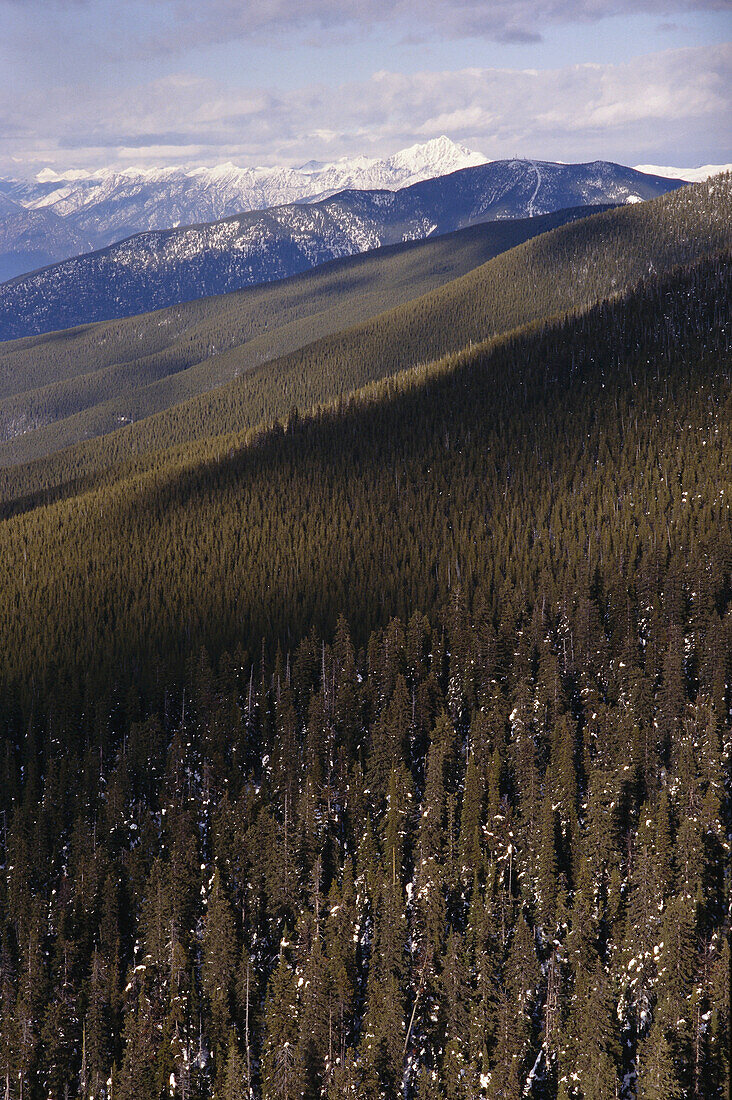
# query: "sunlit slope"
589,433
126,370
562,271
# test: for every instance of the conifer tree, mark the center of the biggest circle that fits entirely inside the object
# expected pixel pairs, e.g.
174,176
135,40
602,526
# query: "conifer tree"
470,821
235,1086
522,968
138,1074
456,994
344,1081
509,1061
96,1039
657,1075
219,953
246,992
588,1064
279,1079
546,868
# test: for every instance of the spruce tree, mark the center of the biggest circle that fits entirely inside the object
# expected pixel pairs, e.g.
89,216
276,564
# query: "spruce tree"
279,1078
219,955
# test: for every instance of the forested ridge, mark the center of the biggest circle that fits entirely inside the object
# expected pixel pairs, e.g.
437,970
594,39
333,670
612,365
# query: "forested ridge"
157,268
238,360
384,751
117,371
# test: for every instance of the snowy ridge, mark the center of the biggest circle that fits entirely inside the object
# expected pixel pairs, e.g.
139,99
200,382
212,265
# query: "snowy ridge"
689,175
108,205
90,210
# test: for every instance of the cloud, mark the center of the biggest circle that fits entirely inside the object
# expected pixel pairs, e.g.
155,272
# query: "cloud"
514,21
176,24
672,104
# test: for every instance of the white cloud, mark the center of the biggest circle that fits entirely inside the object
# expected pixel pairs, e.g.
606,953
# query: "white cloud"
677,102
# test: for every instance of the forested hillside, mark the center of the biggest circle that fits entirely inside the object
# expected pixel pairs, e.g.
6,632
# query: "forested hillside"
100,376
384,751
552,274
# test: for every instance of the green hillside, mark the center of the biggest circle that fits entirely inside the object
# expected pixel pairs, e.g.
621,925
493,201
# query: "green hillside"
275,498
120,371
560,271
383,753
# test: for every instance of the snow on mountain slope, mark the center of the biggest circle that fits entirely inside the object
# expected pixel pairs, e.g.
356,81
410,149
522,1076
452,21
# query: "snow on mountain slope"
109,206
34,238
158,268
689,175
106,206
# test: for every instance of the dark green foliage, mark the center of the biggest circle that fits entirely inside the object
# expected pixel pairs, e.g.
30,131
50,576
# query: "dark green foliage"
218,955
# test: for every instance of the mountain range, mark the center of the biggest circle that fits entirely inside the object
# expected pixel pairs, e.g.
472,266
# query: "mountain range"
76,211
83,211
221,363
160,268
63,388
689,175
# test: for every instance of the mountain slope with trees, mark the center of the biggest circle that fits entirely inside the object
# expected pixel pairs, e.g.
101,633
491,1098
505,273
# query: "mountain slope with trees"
137,366
385,751
558,272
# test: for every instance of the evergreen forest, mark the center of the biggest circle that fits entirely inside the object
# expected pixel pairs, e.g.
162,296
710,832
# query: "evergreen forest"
367,714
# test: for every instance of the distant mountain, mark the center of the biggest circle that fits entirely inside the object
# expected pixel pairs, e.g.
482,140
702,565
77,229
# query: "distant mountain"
156,269
689,175
33,238
107,206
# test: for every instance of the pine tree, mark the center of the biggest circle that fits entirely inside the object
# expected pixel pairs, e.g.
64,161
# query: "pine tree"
677,953
314,1051
428,1085
344,1081
279,1080
546,868
657,1078
247,1003
219,954
235,1086
510,1056
384,1027
9,1036
340,938
591,1057
522,968
96,1042
455,999
138,1072
470,821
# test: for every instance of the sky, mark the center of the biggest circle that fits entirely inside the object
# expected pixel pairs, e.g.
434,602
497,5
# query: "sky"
114,83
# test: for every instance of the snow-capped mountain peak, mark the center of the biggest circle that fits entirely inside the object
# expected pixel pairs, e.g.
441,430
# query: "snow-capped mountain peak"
439,156
151,270
109,204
